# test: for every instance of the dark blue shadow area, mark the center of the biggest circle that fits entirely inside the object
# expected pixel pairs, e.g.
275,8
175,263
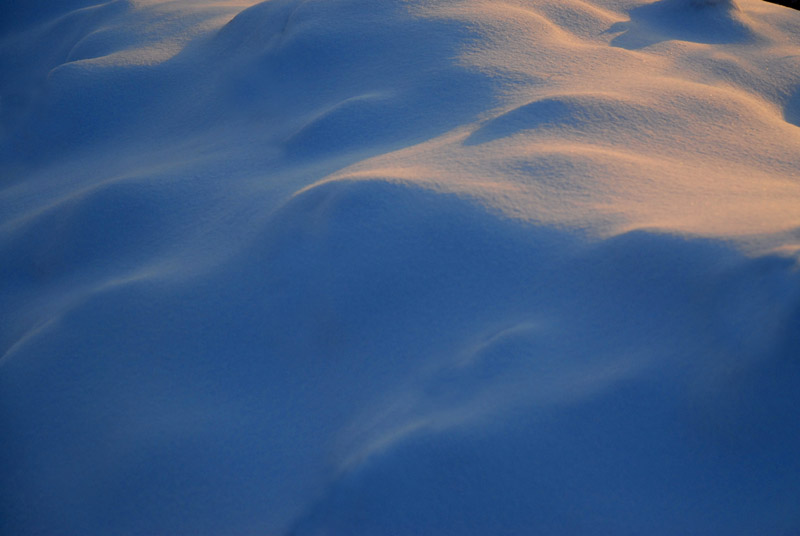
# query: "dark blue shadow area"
349,77
210,406
696,21
611,466
27,60
791,111
299,74
382,359
19,14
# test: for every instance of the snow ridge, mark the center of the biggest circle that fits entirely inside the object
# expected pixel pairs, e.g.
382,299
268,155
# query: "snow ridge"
399,267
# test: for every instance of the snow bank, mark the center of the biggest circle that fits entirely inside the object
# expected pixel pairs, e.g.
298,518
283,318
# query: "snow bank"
381,267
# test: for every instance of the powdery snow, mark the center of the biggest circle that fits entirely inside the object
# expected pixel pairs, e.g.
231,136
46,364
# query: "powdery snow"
399,267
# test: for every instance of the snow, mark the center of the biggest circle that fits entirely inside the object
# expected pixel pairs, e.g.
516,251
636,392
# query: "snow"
399,267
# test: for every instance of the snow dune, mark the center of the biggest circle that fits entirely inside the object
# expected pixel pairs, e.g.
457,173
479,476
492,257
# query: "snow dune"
399,267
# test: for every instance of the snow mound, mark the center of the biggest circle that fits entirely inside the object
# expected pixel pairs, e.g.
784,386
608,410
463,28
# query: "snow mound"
399,267
698,21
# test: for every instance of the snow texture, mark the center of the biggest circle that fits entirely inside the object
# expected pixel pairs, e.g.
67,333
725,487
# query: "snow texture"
380,267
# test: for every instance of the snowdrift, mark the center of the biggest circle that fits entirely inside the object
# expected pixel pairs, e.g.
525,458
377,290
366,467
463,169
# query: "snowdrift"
399,267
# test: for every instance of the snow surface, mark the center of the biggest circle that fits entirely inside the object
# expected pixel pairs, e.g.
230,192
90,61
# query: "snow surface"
399,267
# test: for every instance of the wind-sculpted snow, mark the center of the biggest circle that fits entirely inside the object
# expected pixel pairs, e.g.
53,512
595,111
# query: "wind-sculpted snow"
693,21
399,267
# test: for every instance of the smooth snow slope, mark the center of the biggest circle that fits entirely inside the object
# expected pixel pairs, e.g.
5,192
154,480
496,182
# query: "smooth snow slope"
399,267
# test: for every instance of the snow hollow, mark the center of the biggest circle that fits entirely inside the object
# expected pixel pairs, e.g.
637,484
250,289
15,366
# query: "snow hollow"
399,267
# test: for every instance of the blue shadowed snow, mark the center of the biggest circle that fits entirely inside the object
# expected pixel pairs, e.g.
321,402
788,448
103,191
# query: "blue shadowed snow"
468,373
257,276
699,21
